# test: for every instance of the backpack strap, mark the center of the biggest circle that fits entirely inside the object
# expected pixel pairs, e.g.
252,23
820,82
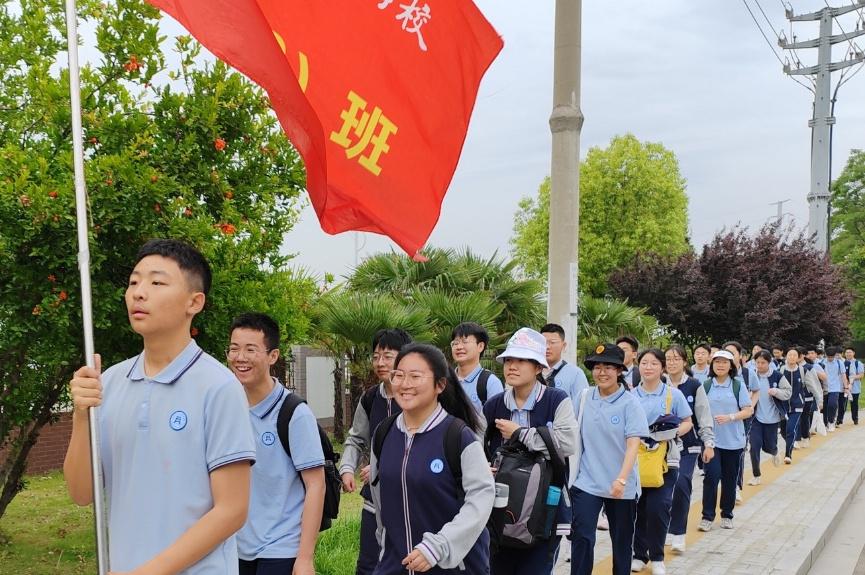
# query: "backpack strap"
737,386
378,437
669,406
453,451
560,469
550,380
482,384
367,399
286,412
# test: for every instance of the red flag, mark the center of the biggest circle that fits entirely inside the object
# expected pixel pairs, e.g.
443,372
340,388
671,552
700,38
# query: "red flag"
376,95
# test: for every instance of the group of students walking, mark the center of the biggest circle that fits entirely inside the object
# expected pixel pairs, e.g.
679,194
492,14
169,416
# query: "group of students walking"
460,471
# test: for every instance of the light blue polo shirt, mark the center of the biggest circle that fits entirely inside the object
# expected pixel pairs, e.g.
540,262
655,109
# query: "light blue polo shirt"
856,367
470,386
766,411
654,403
607,424
700,374
723,402
834,370
160,439
571,380
272,529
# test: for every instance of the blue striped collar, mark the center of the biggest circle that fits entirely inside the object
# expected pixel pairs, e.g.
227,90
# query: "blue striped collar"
173,371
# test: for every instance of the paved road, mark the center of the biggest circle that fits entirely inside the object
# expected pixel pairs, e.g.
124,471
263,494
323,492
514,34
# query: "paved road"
844,553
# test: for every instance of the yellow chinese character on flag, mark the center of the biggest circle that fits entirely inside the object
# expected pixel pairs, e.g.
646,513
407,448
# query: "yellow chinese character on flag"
370,129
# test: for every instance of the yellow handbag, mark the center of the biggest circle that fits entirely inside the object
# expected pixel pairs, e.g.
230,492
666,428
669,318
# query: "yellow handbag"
652,461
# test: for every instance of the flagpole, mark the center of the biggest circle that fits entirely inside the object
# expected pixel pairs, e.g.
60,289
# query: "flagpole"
84,270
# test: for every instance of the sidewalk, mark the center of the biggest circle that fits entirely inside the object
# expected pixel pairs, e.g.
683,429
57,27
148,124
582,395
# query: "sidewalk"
782,524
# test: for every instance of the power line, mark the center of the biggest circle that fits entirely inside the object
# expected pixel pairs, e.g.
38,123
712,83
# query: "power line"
854,48
772,27
771,47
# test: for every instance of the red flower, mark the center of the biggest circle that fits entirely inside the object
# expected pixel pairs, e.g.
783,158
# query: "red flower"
229,194
154,178
109,182
52,194
157,208
37,310
193,332
187,212
63,295
94,140
132,65
219,144
227,229
52,278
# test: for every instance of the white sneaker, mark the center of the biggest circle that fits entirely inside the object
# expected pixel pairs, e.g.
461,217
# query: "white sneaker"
776,459
738,495
705,525
637,565
755,480
788,460
658,568
831,427
603,524
798,444
726,523
806,442
678,543
668,540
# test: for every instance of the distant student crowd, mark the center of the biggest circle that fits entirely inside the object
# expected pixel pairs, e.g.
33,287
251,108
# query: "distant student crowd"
459,471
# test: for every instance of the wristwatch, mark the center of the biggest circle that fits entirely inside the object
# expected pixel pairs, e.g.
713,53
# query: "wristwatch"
622,481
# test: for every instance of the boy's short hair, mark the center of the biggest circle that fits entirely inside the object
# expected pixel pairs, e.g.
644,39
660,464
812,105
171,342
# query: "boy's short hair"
777,346
554,328
832,351
393,339
630,340
193,264
258,322
468,328
809,348
705,345
760,344
849,348
735,344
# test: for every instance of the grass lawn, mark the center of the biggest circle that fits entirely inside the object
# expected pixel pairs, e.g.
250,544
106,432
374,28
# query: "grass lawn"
44,533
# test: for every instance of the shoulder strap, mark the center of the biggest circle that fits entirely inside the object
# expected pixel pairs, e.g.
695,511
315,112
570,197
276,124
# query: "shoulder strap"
380,433
707,385
367,399
669,399
737,387
482,384
560,468
286,411
550,380
453,449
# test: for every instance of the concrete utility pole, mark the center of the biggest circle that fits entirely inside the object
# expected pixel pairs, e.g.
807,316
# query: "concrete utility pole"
822,120
566,122
780,205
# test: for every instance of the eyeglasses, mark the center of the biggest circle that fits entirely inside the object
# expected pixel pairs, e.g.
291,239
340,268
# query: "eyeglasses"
414,377
388,357
674,358
462,341
604,367
249,352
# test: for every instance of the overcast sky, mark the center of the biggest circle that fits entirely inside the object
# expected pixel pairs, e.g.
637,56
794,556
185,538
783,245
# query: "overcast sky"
696,76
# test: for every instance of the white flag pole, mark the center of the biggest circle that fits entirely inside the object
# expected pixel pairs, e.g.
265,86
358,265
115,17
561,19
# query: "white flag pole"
84,269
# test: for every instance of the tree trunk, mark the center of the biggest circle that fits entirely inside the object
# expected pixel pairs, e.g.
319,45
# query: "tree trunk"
338,399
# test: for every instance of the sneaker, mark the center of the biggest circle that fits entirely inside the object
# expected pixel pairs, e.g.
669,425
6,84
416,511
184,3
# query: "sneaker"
755,481
831,427
738,495
678,543
668,540
798,444
788,460
726,523
658,568
705,525
806,442
637,565
603,524
776,459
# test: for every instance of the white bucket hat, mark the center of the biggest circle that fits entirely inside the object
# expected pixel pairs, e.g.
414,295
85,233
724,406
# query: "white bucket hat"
526,343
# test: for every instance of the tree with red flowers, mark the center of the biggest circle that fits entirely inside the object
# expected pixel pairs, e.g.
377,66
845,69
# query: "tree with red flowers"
771,286
199,157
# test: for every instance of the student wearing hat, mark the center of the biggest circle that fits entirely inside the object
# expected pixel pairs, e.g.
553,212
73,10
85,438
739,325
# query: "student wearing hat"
611,425
730,410
431,519
661,402
176,441
518,412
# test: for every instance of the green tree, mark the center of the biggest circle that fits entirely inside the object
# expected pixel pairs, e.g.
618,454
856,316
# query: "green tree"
200,157
605,319
848,233
632,198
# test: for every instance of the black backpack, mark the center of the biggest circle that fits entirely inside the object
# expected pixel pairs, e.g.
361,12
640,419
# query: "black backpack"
452,446
483,378
332,481
528,519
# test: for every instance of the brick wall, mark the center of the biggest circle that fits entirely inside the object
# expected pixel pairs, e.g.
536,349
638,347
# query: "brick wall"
50,448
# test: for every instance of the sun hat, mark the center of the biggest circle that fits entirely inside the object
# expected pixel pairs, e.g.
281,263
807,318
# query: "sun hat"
723,353
606,353
526,343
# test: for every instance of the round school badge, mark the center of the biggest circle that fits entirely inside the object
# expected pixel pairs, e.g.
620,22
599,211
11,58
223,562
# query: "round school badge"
615,420
599,350
268,438
178,420
690,399
436,465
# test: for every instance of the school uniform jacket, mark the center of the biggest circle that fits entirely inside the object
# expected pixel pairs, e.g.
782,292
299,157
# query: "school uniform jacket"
703,432
801,382
424,508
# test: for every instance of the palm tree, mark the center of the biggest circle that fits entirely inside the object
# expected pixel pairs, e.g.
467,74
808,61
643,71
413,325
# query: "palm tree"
605,319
